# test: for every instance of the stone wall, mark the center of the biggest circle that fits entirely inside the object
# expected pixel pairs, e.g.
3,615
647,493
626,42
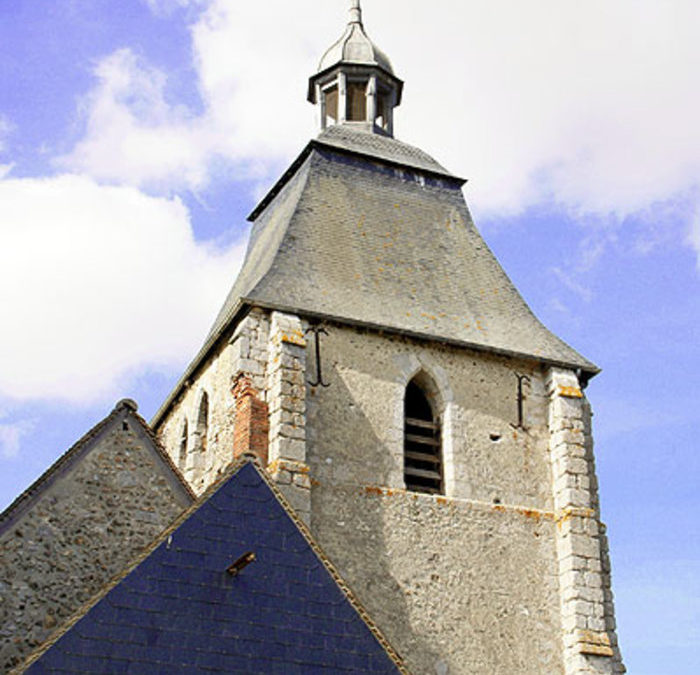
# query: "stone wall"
80,525
465,583
268,351
485,578
245,353
590,641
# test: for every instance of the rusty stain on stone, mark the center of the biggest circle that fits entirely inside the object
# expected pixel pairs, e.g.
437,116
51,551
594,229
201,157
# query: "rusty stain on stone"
570,392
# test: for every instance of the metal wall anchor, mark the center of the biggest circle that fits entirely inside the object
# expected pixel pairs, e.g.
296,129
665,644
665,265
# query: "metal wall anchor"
318,331
521,397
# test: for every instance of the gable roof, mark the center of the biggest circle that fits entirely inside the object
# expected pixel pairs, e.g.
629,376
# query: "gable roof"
177,610
126,409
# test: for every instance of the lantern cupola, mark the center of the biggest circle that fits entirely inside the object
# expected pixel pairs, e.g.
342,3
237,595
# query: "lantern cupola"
355,84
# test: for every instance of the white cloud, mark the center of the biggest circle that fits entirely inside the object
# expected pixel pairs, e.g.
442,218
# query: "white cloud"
134,136
251,71
97,282
570,282
593,106
11,434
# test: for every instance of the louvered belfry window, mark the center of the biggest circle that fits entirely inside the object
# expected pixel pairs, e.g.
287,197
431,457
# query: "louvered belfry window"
422,454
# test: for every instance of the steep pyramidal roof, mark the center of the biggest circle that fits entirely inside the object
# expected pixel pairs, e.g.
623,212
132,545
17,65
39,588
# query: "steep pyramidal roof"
179,610
372,231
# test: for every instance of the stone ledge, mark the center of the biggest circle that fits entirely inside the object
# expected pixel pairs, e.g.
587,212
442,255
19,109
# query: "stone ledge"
443,500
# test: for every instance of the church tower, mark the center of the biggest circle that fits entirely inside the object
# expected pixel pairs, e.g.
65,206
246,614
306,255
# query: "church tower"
434,435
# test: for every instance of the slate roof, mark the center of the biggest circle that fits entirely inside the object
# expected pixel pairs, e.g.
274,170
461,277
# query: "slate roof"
177,610
367,230
378,146
124,409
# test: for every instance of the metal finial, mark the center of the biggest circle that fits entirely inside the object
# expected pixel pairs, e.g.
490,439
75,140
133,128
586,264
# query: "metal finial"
355,11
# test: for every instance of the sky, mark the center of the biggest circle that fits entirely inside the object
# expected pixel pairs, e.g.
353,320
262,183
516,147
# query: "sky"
135,137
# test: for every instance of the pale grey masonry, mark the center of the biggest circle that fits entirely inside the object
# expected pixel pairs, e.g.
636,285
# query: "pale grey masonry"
269,348
79,525
462,583
244,352
286,396
590,640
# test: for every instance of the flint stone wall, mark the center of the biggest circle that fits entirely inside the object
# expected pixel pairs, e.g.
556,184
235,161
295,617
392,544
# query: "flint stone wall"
88,522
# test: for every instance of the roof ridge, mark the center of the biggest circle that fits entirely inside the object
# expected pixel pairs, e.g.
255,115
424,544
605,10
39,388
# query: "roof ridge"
62,461
164,455
71,455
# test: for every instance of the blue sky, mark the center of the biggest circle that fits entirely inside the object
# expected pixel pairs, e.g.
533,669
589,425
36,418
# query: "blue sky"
136,136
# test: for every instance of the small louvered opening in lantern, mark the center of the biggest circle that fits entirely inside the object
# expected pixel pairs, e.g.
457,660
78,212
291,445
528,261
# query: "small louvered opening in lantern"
331,95
422,454
357,101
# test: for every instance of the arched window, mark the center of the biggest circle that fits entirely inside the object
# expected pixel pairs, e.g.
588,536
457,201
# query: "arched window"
182,459
422,446
203,423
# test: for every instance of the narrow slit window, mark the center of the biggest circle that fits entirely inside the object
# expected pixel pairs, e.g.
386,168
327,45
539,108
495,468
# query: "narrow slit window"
203,423
422,445
182,459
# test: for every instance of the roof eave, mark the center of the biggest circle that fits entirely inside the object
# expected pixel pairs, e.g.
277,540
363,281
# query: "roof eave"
588,368
239,311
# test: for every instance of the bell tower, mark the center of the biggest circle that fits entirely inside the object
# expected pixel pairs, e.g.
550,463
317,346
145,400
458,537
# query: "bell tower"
355,83
432,432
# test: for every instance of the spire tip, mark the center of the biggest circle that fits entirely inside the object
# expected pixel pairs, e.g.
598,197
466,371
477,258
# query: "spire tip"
355,12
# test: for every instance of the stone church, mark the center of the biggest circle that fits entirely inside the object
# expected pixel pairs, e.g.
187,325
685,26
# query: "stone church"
418,437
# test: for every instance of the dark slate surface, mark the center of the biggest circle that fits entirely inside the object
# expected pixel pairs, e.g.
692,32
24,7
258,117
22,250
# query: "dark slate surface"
179,611
390,149
367,242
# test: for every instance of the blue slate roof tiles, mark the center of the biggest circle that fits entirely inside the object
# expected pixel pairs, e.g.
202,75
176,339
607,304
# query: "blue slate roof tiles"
178,611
